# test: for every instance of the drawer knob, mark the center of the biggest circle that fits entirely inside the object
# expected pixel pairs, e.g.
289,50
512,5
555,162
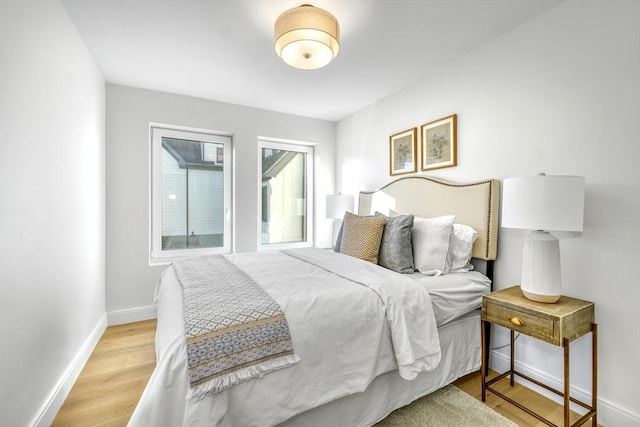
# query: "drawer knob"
517,321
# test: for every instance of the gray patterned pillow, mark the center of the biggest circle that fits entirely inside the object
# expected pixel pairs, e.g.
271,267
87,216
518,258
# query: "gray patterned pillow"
396,249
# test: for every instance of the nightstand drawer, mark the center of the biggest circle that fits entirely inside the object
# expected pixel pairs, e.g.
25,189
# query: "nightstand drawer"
519,321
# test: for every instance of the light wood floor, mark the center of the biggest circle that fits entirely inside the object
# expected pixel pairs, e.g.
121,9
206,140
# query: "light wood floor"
543,406
113,379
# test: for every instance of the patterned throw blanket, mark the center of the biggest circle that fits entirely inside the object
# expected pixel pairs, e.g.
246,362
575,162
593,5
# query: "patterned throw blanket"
235,330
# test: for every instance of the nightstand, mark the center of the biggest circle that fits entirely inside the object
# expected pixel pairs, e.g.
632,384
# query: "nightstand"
557,324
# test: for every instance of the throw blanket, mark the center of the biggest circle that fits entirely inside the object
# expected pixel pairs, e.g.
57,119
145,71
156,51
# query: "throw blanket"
235,331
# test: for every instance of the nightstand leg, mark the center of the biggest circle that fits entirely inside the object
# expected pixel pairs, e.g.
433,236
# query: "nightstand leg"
487,343
567,411
483,355
513,358
594,373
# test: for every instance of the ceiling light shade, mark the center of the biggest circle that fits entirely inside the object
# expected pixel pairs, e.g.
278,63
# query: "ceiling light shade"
307,37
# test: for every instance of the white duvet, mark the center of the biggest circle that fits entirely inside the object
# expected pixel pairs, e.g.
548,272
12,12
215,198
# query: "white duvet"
350,321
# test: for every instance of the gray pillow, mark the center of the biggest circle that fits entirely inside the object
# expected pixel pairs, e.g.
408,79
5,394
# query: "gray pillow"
336,247
396,248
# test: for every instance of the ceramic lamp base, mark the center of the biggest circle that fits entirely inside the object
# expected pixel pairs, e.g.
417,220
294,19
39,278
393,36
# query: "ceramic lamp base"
541,279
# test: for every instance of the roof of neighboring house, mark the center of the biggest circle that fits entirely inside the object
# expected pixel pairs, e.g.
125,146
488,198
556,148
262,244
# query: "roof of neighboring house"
272,165
188,153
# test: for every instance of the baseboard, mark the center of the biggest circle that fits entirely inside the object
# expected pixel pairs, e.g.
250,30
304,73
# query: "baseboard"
139,314
53,404
609,414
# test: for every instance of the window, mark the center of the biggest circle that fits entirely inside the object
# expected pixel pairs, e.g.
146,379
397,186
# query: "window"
286,196
190,193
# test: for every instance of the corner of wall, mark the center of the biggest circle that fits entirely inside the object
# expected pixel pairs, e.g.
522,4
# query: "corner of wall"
138,314
52,405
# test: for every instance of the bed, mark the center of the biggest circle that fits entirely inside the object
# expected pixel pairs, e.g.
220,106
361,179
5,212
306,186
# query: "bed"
367,339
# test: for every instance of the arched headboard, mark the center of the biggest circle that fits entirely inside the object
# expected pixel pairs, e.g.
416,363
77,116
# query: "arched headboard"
476,204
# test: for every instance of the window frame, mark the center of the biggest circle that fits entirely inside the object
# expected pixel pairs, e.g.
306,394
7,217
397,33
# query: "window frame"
157,131
297,146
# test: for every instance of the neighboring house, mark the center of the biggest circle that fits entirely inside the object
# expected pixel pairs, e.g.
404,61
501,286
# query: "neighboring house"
283,218
192,198
192,194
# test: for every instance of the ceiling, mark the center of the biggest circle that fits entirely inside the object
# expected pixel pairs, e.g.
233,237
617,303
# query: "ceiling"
223,49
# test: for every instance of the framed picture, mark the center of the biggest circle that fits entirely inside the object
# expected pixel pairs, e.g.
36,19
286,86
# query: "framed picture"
439,143
402,152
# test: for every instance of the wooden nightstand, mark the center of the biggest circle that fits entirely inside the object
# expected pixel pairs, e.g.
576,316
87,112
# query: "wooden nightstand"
558,324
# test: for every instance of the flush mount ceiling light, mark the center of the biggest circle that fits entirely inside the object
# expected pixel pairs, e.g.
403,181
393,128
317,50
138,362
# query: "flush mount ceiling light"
307,37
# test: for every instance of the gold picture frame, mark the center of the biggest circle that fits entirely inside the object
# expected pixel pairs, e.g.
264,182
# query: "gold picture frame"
439,143
403,156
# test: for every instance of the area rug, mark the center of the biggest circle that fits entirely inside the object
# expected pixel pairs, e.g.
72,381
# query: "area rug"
447,407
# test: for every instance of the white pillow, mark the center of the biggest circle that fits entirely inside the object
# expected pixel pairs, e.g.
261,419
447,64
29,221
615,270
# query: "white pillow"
431,243
460,249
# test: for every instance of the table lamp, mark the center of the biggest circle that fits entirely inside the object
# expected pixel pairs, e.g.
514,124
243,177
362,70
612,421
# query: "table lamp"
543,203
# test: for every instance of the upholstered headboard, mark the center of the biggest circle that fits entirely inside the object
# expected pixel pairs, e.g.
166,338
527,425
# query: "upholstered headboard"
476,204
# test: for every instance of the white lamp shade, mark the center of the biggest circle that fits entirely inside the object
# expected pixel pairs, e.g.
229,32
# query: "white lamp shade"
337,205
543,202
307,37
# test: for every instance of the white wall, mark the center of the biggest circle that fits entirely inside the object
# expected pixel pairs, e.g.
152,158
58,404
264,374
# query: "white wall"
52,209
561,95
130,279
